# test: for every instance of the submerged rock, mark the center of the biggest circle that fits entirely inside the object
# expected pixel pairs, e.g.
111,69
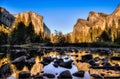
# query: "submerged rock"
30,62
5,71
67,64
115,58
48,75
19,62
38,77
24,75
65,74
95,76
87,57
79,74
46,61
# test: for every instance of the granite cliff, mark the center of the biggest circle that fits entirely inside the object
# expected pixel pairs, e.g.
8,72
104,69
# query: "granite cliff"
98,27
35,19
27,25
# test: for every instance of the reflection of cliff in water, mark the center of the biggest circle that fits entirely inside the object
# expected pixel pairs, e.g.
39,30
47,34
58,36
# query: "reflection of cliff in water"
85,59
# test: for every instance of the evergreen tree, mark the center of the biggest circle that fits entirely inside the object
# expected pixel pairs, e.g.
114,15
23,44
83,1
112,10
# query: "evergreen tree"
3,38
30,33
18,34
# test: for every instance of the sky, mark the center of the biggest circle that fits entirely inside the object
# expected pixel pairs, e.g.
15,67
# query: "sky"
60,15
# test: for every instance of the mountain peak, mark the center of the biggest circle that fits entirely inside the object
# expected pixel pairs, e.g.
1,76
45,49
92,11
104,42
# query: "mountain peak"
117,11
2,9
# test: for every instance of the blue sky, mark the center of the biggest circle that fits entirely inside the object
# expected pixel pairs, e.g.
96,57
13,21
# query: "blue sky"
60,15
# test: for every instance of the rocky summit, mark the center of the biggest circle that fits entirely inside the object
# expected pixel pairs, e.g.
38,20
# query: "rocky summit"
98,27
26,18
35,19
25,27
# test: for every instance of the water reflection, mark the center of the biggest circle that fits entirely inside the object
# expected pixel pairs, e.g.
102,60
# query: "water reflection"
100,57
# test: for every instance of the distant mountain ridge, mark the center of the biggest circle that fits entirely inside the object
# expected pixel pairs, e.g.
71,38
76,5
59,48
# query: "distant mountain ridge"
98,27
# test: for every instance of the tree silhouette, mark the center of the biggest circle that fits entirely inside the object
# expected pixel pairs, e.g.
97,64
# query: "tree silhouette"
104,37
18,34
3,38
30,33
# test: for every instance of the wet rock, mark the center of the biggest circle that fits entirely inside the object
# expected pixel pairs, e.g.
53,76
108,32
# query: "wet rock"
106,65
102,74
48,75
93,63
19,62
95,76
87,57
78,60
116,65
30,62
96,59
5,71
115,58
24,75
67,64
65,75
55,64
79,74
38,77
58,61
48,59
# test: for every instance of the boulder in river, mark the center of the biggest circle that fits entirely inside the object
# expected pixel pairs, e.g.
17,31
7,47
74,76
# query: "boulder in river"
19,62
46,61
67,64
30,62
48,75
115,58
79,74
87,57
5,71
65,75
95,76
24,75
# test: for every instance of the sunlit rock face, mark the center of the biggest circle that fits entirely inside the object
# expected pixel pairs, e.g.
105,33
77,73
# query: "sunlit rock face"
26,18
35,19
5,17
90,30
